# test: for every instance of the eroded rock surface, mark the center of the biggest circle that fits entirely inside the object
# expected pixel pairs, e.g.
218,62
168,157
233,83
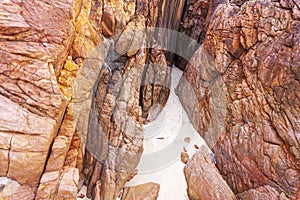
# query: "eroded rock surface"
33,51
204,180
141,192
247,95
77,84
264,193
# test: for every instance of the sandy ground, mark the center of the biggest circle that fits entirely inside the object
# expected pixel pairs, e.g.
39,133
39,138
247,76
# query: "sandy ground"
165,139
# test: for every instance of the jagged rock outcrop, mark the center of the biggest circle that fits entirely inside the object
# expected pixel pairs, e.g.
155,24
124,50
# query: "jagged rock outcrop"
193,24
246,81
204,180
79,78
265,192
33,51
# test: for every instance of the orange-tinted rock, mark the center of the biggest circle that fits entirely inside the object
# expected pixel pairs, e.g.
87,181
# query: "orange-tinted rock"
33,51
184,157
68,186
48,185
140,192
204,180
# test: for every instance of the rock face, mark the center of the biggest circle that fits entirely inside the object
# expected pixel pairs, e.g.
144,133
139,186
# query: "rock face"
46,92
204,180
141,192
246,81
264,192
79,78
192,25
33,51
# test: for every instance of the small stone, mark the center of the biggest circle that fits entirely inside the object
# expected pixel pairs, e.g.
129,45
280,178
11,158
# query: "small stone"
184,157
187,139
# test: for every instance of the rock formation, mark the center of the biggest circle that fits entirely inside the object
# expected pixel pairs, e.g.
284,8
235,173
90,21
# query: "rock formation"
247,98
79,78
141,192
204,180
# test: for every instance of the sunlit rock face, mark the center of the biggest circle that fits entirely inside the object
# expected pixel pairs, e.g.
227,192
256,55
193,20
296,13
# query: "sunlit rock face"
79,78
52,55
246,78
35,40
204,180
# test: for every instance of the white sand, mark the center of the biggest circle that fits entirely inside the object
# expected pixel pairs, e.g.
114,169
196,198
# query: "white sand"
163,144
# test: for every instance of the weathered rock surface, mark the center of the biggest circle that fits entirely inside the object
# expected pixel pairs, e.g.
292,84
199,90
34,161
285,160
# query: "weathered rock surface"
246,81
193,24
204,180
33,51
114,135
8,187
76,85
141,192
264,193
41,59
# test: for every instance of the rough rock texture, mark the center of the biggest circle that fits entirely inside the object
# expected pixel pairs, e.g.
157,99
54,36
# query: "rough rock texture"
8,187
246,96
115,134
265,192
204,180
33,51
76,85
58,177
192,25
109,81
46,70
156,84
140,192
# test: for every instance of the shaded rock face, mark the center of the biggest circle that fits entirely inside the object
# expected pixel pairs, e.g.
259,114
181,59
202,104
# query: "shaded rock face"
246,81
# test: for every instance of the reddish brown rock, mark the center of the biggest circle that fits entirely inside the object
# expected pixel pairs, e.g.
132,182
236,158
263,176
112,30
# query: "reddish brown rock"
184,157
140,192
115,145
246,96
156,84
245,103
264,193
193,25
204,180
